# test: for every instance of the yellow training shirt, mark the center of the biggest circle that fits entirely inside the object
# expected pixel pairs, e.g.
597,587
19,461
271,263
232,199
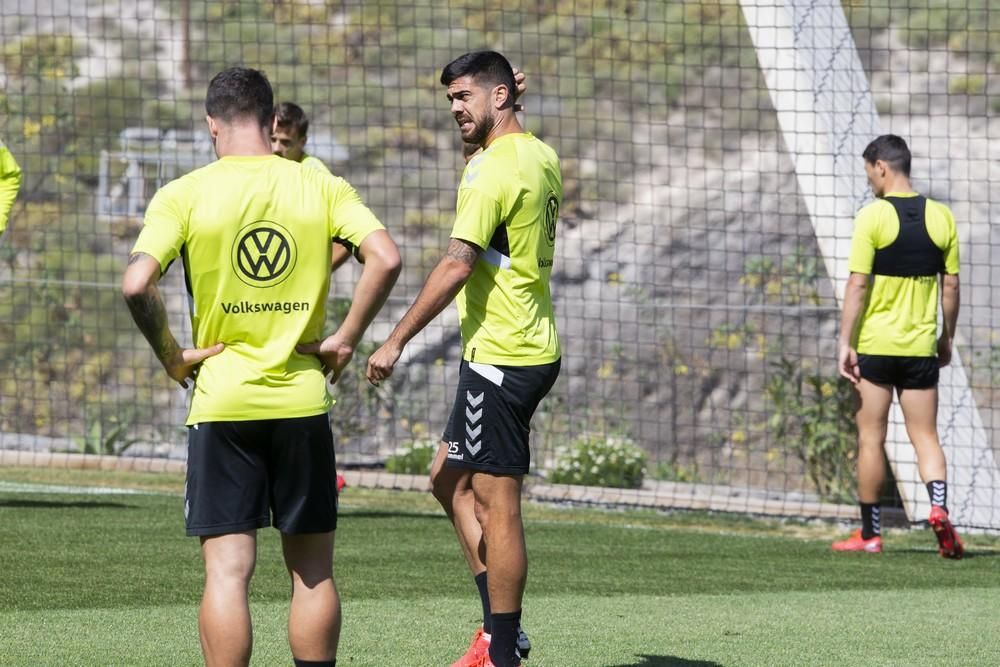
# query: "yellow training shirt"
904,261
10,182
314,163
254,234
508,205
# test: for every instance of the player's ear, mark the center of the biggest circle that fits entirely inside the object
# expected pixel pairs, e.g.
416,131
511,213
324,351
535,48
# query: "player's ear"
213,126
501,96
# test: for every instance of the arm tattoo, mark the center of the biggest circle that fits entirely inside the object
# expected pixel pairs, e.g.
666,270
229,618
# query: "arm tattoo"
463,251
136,256
150,316
440,289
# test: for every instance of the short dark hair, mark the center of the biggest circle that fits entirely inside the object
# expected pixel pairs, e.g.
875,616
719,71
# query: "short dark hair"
239,93
291,116
890,149
488,67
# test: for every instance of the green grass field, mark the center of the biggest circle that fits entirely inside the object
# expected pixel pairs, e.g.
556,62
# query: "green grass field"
110,579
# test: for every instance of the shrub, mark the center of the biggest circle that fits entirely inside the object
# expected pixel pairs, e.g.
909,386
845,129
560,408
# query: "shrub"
813,415
600,460
792,283
413,459
675,472
356,406
107,435
967,84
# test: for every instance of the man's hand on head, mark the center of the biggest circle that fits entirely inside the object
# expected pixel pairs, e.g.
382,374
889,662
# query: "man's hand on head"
519,87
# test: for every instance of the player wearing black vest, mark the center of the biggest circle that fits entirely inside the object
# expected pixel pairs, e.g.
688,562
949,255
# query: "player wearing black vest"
903,246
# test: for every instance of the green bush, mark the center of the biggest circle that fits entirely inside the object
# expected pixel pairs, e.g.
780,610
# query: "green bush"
49,56
413,459
106,434
600,460
676,472
813,415
792,283
355,404
967,84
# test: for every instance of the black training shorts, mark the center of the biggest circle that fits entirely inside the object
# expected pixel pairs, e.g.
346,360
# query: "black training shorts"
239,473
489,424
900,372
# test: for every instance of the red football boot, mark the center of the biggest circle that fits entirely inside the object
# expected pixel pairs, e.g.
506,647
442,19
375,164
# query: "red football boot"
949,545
479,647
855,542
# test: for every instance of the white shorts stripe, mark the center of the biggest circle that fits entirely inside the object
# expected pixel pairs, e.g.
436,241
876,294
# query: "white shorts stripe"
491,373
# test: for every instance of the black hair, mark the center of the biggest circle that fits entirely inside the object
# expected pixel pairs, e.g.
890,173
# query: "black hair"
487,67
890,149
239,93
291,116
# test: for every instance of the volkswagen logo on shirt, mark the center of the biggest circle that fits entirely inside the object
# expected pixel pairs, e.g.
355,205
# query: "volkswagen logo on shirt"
264,254
551,215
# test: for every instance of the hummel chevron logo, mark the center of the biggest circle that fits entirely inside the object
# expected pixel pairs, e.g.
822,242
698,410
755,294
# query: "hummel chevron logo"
473,418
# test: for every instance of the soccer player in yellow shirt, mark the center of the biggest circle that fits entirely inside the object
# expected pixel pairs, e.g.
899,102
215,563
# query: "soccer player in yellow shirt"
904,247
497,267
254,234
290,134
10,183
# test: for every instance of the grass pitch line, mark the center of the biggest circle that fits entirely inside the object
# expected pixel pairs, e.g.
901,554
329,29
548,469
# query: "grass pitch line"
65,490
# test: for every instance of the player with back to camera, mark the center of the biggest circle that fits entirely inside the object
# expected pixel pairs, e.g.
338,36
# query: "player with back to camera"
497,265
254,233
904,248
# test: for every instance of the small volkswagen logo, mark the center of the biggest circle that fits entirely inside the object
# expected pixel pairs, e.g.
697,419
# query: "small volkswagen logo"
264,254
551,215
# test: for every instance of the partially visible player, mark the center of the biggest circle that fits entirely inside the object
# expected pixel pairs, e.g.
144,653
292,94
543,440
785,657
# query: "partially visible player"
905,246
497,266
290,134
254,234
288,139
10,183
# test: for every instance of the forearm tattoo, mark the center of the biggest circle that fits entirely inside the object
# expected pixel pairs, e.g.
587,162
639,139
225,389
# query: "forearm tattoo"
150,315
462,251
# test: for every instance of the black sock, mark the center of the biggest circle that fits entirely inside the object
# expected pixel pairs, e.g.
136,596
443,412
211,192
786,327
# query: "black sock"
503,645
315,663
871,520
484,597
938,491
